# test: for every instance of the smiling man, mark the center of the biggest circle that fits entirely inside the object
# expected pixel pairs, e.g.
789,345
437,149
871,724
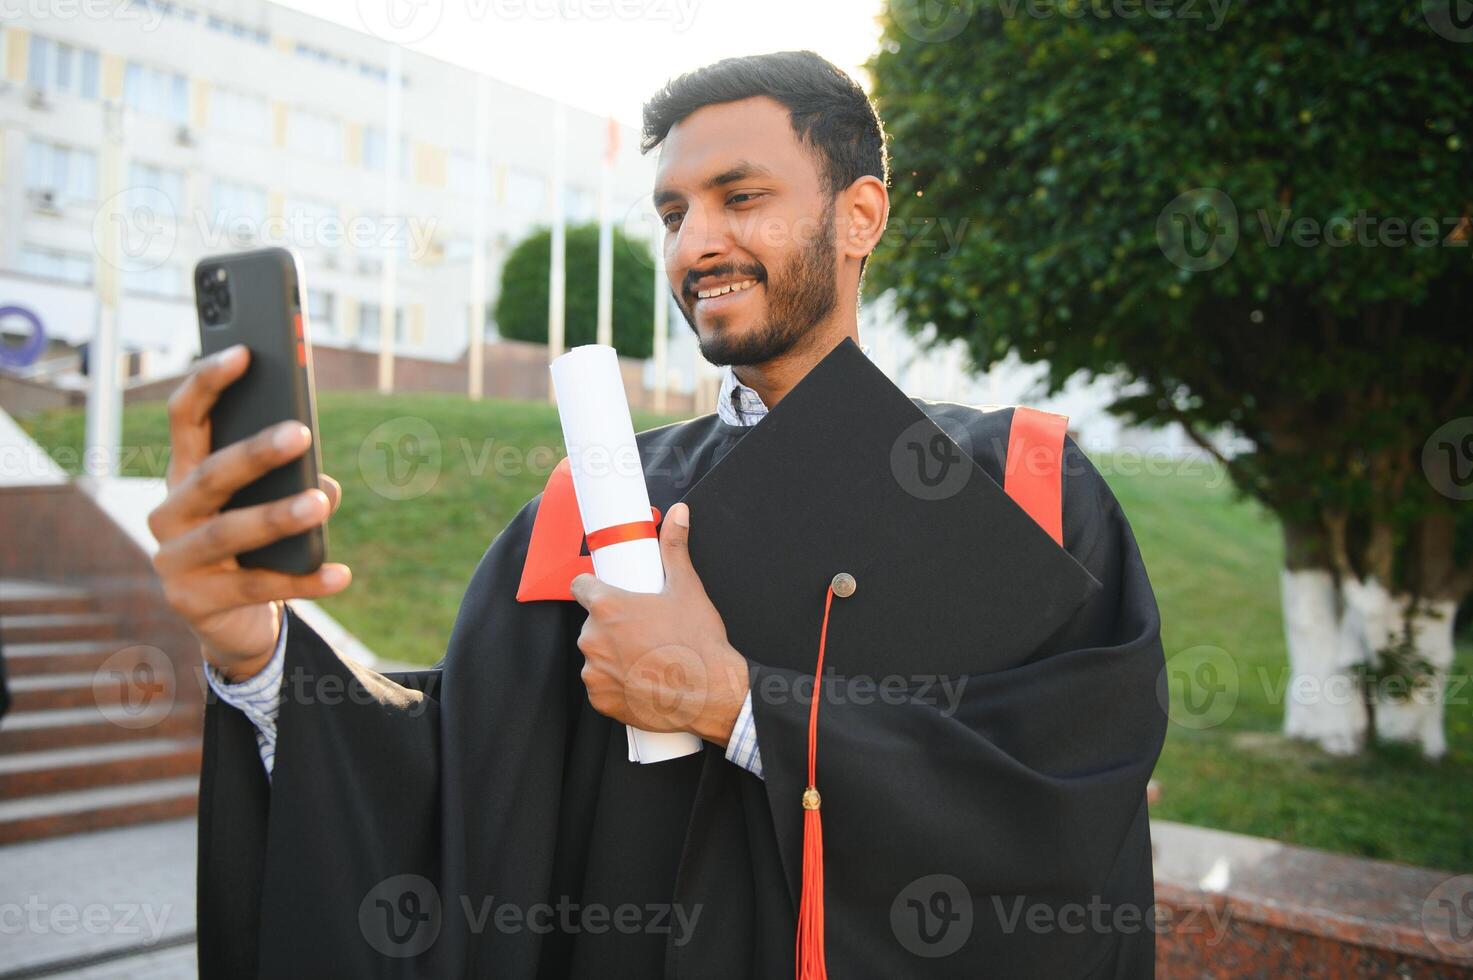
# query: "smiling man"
985,812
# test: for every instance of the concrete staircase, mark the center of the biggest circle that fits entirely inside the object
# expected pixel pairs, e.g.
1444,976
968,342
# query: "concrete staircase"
102,731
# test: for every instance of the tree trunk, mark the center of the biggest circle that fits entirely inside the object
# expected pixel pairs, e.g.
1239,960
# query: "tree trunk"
1414,712
1322,702
1419,624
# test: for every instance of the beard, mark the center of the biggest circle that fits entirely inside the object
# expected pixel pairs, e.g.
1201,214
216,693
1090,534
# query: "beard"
803,295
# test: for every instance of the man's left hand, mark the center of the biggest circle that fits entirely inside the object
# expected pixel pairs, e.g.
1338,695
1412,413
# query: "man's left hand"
661,662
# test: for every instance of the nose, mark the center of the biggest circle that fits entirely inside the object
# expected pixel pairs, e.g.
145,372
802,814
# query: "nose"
701,239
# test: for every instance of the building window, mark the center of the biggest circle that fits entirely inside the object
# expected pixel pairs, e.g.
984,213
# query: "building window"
368,320
62,68
156,93
51,263
314,135
580,205
376,153
313,53
526,192
368,325
313,224
236,29
321,312
240,209
66,174
164,281
245,116
145,177
461,175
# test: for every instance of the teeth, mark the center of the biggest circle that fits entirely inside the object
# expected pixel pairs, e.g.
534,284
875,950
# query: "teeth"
733,287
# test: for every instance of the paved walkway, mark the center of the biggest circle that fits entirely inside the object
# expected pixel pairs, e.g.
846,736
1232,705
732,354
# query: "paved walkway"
113,904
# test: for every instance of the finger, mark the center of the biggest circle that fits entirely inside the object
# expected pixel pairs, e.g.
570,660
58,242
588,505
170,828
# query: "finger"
584,588
234,531
223,590
225,471
334,491
596,596
675,543
189,408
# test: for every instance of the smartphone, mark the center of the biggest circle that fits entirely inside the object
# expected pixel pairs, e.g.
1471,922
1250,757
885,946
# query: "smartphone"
255,298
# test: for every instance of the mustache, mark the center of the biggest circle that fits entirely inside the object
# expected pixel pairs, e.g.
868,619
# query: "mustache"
688,287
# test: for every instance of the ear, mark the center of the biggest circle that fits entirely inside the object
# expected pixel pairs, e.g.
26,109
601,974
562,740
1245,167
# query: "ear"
865,207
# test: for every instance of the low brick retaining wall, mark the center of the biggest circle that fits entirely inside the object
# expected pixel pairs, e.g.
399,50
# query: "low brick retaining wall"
1236,906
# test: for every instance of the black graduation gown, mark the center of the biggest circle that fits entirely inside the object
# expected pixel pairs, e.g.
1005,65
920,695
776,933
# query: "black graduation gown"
480,819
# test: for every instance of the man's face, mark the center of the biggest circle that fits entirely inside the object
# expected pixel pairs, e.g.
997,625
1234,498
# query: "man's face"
749,223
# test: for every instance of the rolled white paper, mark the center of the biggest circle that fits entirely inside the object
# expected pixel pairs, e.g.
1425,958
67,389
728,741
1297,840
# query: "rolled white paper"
608,478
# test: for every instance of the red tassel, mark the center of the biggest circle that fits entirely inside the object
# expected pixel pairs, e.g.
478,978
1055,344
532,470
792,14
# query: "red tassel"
811,962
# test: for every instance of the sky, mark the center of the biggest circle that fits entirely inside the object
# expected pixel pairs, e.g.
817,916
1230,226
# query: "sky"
608,56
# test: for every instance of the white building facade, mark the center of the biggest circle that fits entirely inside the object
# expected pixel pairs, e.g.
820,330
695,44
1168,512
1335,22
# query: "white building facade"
228,125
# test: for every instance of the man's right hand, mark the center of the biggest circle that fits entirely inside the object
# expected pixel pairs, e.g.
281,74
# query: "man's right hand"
236,612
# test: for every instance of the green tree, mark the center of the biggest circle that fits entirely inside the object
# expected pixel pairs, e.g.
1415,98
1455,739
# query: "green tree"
1260,215
521,309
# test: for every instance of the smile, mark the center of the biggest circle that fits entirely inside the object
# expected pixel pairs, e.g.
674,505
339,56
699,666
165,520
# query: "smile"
722,290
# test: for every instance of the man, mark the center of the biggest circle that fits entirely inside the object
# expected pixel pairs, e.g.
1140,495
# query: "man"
481,818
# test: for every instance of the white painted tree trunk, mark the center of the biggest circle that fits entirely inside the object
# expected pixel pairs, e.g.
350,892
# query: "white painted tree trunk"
1403,713
1322,702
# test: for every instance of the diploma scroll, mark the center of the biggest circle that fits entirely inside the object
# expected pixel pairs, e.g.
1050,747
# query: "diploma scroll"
608,479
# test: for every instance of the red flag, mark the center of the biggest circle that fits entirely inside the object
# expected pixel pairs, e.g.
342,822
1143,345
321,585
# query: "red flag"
611,142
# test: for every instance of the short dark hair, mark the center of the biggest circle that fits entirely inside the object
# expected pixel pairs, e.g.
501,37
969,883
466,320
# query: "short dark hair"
829,111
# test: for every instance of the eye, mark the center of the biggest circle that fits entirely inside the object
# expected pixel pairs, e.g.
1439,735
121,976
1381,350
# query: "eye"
743,197
670,218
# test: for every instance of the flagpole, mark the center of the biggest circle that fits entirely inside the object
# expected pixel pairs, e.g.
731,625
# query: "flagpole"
605,334
557,272
662,328
389,271
103,431
479,176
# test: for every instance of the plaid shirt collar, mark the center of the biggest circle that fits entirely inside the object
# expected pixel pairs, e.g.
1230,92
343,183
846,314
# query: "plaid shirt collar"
739,405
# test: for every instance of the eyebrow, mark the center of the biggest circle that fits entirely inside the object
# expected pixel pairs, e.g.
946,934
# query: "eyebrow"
739,171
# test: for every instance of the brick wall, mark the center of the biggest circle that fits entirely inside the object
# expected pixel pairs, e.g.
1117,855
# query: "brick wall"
511,369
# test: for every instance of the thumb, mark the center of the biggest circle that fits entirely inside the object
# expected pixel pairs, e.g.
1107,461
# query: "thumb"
674,543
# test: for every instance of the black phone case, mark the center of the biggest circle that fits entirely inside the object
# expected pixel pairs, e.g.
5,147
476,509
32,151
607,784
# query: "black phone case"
266,315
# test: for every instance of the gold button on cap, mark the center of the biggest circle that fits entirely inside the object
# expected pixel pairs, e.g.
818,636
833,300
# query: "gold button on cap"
844,585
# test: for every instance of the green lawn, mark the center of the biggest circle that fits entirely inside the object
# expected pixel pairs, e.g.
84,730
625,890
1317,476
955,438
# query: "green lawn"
1213,560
